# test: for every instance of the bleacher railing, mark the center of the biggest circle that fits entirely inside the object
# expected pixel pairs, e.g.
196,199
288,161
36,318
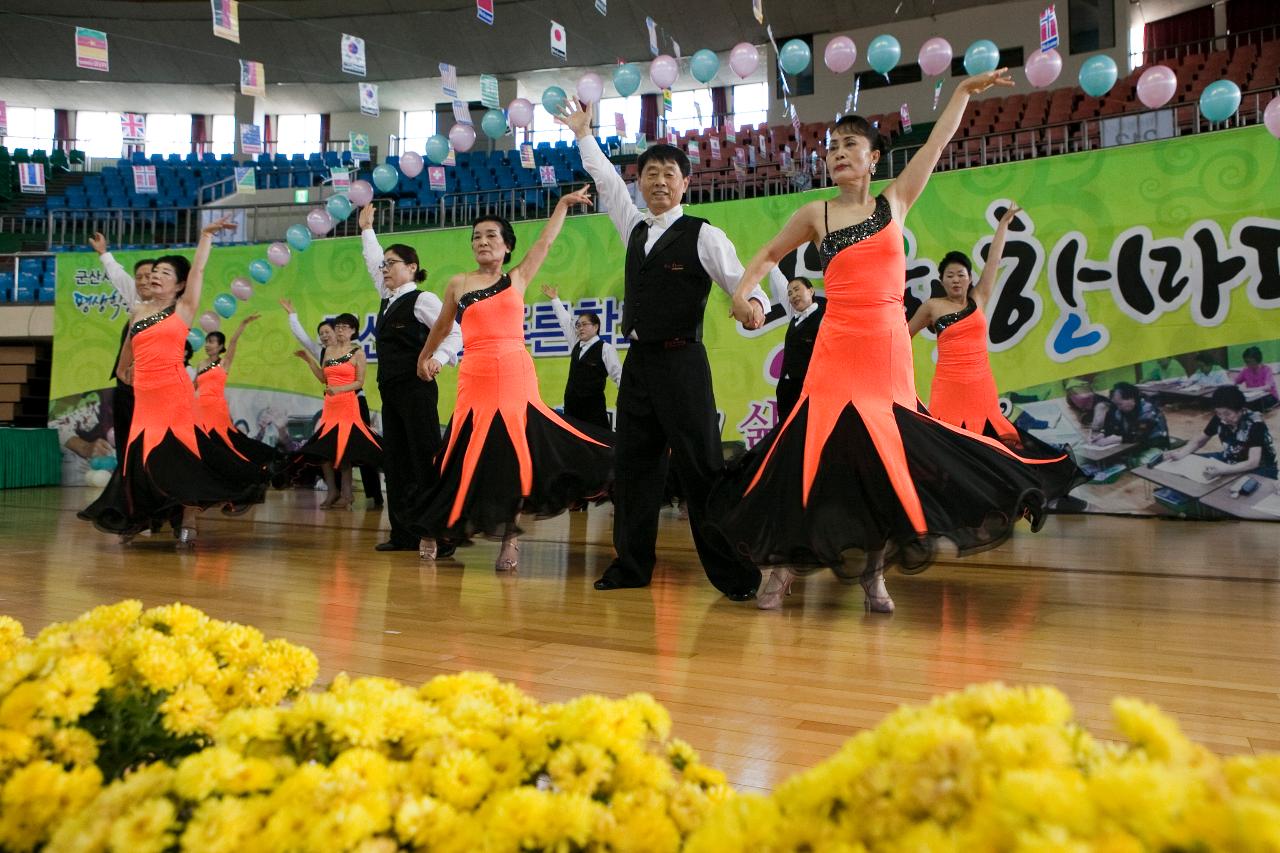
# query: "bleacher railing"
1226,41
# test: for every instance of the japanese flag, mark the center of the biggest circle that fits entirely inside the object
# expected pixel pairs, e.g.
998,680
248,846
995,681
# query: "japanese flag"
559,43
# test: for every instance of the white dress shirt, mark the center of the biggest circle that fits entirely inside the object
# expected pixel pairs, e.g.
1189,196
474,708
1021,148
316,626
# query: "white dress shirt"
717,254
121,278
426,309
609,354
313,346
797,319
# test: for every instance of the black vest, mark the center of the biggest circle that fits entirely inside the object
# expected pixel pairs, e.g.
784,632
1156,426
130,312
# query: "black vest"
798,347
115,365
666,290
584,392
400,337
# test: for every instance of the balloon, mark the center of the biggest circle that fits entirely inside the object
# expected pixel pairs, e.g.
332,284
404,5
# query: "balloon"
663,71
209,321
437,148
104,463
1043,67
320,221
840,54
520,112
1271,117
704,65
279,254
494,125
553,98
360,193
1098,75
339,207
590,87
935,56
195,337
298,237
461,136
224,304
260,270
883,53
981,57
743,59
241,288
411,164
1219,100
626,79
794,56
1156,86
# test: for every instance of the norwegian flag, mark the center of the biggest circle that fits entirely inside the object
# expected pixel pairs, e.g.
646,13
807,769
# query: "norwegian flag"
1048,29
133,127
144,179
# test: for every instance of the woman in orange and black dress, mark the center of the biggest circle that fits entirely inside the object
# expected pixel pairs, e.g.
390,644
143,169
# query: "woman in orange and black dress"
213,415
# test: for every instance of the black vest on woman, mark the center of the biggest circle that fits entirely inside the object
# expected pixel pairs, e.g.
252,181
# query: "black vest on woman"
797,350
400,337
584,392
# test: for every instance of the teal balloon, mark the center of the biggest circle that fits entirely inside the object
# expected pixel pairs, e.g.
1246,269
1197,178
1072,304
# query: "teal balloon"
704,64
108,463
883,53
259,271
553,98
1219,100
437,149
794,57
298,237
626,79
494,124
339,207
195,337
225,304
981,57
1098,75
385,177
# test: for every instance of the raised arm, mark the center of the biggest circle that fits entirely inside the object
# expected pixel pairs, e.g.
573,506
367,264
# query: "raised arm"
371,249
525,271
613,191
991,272
800,229
313,364
429,365
189,301
116,274
563,316
230,354
295,326
904,191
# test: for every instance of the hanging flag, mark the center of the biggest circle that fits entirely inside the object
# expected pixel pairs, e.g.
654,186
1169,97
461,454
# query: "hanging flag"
144,179
450,159
449,80
484,11
697,111
91,50
253,79
489,92
715,147
548,175
675,47
353,58
763,144
133,127
620,124
694,152
906,118
937,93
368,99
359,146
857,85
739,170
666,101
653,35
602,6
786,158
31,177
246,180
1048,29
4,119
526,157
730,135
340,179
757,9
226,19
795,120
462,112
250,139
435,178
559,43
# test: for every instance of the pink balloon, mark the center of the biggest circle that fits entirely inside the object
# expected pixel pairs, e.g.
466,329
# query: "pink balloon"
209,322
743,59
278,254
520,112
663,71
839,55
410,166
360,193
462,137
1043,68
241,289
1156,86
1271,117
319,221
590,87
935,56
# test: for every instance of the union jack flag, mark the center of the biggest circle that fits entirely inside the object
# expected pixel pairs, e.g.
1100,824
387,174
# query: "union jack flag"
1048,29
144,179
133,127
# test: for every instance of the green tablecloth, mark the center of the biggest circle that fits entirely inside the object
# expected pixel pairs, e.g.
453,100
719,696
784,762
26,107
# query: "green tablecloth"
29,457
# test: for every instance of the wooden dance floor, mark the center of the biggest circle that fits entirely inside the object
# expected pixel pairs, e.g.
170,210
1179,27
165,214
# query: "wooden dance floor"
1179,613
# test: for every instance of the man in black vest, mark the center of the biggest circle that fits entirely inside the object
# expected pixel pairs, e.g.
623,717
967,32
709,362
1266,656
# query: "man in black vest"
665,400
592,360
797,349
410,406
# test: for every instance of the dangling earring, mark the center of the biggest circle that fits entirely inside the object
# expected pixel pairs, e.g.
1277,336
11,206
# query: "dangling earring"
873,169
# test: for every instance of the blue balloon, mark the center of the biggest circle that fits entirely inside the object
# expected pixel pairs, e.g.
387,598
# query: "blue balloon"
339,207
704,64
224,304
794,56
883,53
385,177
494,124
259,271
437,149
553,98
298,237
103,463
195,337
1098,75
626,79
1219,100
981,57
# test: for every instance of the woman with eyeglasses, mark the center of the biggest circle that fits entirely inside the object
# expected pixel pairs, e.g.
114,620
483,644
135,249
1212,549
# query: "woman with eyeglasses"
592,360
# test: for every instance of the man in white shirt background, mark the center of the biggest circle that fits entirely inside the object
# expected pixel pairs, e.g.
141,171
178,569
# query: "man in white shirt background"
592,361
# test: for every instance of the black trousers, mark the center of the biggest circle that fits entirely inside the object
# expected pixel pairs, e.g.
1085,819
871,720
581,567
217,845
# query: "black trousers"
788,394
368,473
410,439
666,401
122,418
589,408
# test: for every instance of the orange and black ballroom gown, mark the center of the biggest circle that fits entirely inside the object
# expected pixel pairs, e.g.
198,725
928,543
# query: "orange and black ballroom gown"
214,417
169,463
858,465
505,451
342,437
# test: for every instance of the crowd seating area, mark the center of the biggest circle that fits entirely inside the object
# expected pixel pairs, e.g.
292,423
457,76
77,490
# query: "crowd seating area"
34,280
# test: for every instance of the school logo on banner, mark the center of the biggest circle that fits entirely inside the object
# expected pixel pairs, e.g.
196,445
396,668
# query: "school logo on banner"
253,79
559,42
133,127
353,60
31,177
226,19
368,99
359,146
484,11
91,50
449,80
246,180
250,139
144,179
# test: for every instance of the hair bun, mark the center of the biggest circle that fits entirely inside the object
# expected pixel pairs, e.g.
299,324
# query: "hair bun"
420,276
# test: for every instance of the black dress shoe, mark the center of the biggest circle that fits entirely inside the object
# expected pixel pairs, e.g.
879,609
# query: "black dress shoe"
607,583
391,545
741,596
444,550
